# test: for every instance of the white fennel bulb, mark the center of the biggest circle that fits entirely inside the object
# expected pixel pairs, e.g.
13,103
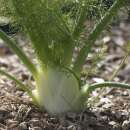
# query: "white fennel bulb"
58,91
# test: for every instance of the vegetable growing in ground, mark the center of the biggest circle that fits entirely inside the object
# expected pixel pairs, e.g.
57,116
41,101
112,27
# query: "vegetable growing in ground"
58,85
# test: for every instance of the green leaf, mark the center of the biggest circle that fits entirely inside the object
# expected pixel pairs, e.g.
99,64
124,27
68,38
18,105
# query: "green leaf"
81,20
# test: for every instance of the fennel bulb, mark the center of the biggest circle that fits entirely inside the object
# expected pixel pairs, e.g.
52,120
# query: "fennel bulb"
58,91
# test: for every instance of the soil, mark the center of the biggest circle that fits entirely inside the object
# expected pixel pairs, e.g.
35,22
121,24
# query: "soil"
110,112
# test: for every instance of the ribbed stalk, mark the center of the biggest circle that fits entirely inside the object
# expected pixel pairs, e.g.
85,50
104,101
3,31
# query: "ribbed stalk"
17,50
88,89
95,34
23,87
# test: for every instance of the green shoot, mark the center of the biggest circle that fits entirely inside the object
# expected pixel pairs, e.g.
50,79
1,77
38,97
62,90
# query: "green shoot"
11,43
20,85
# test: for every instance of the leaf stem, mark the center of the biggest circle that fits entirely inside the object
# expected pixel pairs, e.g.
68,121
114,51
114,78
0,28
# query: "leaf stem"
116,71
95,34
88,89
23,87
80,23
16,49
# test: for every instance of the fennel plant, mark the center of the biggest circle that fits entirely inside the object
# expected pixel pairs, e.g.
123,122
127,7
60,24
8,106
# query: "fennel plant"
54,37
